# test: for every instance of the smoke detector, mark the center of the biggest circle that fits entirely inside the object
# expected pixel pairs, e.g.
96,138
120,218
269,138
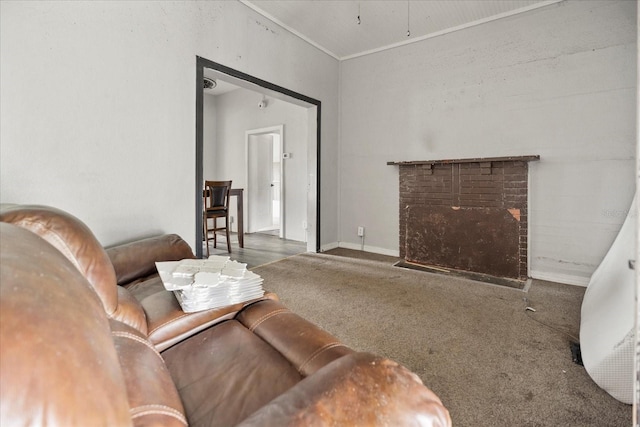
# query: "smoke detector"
209,83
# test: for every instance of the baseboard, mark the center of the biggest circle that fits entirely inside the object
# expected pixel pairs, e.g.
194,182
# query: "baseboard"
560,278
328,246
372,249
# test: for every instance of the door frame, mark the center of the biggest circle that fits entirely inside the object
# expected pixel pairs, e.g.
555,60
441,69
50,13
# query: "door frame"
201,64
279,129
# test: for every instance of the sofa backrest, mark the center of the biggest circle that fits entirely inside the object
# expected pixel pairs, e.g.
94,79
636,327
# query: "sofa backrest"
77,243
62,360
74,240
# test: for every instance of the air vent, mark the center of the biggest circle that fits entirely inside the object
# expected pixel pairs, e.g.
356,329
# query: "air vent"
209,83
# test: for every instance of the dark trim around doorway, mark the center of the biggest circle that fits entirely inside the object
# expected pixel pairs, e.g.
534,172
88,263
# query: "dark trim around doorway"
201,64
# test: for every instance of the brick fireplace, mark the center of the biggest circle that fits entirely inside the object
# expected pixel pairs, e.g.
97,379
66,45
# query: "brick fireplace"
468,215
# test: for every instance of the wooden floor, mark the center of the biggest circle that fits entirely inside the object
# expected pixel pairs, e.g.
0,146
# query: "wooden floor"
259,248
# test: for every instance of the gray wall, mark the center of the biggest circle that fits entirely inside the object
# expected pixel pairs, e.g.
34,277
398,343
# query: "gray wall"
559,82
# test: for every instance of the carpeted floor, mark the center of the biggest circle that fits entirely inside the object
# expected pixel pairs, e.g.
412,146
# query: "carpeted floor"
491,361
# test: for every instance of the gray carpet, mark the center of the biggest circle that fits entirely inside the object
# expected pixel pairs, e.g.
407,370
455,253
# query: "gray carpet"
491,361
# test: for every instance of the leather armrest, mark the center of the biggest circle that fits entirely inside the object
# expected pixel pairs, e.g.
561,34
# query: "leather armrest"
137,259
306,346
357,389
167,324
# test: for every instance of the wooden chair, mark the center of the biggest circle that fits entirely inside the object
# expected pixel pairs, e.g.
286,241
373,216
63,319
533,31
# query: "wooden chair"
216,205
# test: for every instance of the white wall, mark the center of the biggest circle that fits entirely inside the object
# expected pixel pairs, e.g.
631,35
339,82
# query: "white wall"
558,82
97,107
237,112
209,136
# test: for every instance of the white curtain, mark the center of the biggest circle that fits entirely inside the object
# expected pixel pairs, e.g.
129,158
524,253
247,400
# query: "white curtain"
607,325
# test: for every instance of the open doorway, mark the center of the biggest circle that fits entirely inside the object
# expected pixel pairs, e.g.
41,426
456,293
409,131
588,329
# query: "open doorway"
311,157
265,204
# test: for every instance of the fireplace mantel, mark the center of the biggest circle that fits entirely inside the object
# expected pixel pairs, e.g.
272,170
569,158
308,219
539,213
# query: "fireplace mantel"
471,160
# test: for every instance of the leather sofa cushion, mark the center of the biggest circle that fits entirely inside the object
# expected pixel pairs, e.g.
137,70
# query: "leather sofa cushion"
243,373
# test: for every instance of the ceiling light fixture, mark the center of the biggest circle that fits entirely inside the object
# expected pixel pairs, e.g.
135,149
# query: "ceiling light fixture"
209,83
263,104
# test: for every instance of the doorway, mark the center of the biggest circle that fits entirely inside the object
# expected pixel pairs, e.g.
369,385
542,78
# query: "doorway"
265,195
313,158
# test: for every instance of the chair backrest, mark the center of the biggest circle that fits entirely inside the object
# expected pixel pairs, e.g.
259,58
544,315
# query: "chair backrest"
216,194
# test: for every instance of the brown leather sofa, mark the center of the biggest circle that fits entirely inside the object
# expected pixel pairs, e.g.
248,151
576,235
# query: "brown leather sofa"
89,337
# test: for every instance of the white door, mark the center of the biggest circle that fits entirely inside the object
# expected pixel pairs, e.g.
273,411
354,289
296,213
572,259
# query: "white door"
260,183
264,191
276,180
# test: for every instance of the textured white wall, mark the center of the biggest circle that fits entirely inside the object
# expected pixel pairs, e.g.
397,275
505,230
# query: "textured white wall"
97,113
237,112
558,82
97,108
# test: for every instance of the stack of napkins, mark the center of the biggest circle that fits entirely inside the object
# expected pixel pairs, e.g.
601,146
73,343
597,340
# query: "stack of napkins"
202,284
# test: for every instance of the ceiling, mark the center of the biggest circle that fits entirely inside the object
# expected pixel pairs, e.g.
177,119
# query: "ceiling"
226,83
332,25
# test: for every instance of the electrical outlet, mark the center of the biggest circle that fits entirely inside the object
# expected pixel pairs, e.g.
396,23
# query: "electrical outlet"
231,220
304,225
361,231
